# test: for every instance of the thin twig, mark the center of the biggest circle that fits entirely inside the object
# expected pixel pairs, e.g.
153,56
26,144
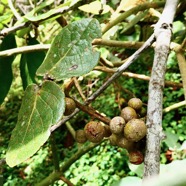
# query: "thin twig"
79,88
57,12
134,10
54,152
70,129
120,70
137,76
174,106
14,28
25,49
92,112
68,182
16,14
182,66
56,175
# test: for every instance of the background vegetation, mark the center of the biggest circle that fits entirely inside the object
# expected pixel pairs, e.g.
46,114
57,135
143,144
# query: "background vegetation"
105,164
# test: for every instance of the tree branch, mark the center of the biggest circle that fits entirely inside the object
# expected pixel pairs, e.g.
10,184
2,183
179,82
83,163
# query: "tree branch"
24,49
182,67
174,106
137,76
134,10
56,175
57,12
118,72
163,30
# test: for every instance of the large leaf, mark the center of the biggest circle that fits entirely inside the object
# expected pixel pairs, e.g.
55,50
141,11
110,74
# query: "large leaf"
29,64
71,53
6,66
95,7
41,107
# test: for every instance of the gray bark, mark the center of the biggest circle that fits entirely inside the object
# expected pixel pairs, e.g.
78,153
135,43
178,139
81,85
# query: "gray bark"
162,32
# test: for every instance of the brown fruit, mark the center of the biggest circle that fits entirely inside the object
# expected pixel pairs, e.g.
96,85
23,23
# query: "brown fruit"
117,125
94,131
135,103
135,130
136,157
125,143
70,106
128,113
80,136
107,131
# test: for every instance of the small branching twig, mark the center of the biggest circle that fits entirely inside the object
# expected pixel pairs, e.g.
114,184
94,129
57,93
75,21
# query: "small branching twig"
174,106
93,113
54,152
134,10
68,182
57,12
56,175
76,83
70,129
118,72
137,76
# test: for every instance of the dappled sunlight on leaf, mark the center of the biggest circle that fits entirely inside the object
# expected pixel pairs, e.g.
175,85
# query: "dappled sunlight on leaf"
41,107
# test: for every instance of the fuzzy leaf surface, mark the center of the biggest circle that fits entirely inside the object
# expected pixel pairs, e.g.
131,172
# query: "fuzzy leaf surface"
41,107
71,53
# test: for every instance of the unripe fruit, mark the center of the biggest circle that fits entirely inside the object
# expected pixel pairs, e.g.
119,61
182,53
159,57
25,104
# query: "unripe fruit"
135,130
107,132
136,157
70,106
80,136
135,103
128,113
117,125
113,139
125,143
143,112
94,131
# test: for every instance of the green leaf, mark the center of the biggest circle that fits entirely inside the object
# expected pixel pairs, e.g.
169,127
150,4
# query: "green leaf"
6,75
41,107
171,139
26,80
29,64
138,169
71,53
95,7
43,16
129,181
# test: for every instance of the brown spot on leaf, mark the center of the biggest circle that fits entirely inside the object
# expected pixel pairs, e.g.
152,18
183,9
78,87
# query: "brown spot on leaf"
73,67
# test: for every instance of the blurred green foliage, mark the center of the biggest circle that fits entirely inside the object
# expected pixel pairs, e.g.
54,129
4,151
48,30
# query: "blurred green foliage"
106,164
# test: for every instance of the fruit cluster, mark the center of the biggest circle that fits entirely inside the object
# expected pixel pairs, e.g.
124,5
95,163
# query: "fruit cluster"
127,130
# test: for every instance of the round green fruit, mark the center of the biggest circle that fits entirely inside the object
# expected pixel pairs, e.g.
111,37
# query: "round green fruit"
135,103
107,131
80,136
113,139
94,131
135,130
70,106
125,143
